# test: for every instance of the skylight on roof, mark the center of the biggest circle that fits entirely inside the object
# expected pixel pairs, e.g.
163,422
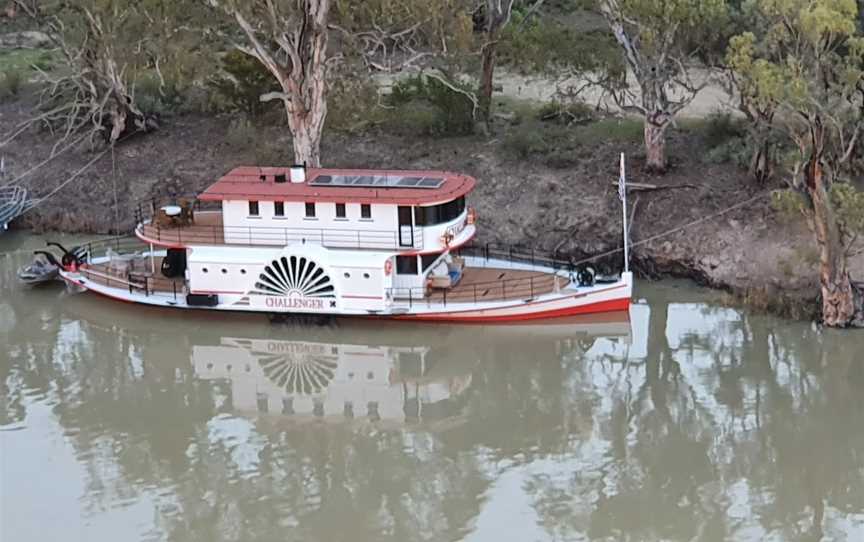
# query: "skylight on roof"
377,181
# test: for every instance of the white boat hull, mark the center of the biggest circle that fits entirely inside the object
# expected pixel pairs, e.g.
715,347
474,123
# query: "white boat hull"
567,301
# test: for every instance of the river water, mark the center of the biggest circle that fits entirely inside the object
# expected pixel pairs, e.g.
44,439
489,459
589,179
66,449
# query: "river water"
687,421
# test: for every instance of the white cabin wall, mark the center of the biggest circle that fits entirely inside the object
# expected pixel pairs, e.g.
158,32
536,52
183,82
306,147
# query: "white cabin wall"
356,291
268,229
432,234
214,281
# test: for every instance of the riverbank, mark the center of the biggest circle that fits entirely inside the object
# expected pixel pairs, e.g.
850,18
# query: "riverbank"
534,189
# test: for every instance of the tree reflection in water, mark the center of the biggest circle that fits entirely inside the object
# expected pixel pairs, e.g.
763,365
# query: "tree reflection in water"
713,424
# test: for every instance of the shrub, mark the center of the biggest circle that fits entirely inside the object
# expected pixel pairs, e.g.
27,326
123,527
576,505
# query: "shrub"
352,103
10,83
453,110
561,113
243,83
719,128
524,142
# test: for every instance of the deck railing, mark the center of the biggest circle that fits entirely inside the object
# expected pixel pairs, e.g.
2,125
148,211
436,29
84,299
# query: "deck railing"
148,227
274,236
522,288
520,255
553,272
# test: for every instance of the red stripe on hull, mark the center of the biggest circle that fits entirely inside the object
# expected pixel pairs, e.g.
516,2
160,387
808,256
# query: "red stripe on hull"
614,305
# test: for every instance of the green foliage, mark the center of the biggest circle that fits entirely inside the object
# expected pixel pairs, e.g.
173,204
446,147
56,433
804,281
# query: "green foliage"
561,146
428,105
10,83
524,142
243,81
721,127
548,46
789,204
849,206
352,104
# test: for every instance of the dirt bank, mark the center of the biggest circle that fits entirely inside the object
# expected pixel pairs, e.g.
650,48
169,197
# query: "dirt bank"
520,201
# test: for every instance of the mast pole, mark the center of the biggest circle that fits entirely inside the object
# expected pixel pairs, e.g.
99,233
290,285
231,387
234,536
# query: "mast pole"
622,193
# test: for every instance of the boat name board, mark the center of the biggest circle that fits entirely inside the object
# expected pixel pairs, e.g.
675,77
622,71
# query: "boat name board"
294,303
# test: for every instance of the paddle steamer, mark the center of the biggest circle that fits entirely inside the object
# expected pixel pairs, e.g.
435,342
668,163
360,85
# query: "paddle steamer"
384,244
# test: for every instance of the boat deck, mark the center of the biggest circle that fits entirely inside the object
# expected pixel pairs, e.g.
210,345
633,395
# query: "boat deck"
135,274
478,284
207,228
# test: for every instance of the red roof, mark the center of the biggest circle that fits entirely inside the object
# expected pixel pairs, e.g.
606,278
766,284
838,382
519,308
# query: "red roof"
245,183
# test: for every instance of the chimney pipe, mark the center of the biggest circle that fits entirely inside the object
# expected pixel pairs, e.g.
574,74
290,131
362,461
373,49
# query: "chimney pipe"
298,174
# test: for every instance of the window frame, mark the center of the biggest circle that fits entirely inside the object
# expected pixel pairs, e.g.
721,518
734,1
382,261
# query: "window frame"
310,205
365,211
279,209
341,211
254,208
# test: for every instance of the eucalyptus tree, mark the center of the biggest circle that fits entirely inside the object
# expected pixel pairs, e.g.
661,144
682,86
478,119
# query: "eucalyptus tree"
301,42
107,48
655,40
808,66
495,16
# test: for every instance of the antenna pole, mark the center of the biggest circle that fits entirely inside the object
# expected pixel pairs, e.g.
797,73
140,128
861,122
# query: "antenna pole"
622,192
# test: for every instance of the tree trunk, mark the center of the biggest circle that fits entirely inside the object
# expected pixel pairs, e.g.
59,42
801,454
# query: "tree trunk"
761,164
306,131
655,147
487,77
841,303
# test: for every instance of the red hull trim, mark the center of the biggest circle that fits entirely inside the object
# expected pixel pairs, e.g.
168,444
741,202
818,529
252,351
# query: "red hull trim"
614,305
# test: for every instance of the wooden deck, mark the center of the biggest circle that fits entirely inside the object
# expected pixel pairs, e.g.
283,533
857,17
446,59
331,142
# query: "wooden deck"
480,284
206,230
135,275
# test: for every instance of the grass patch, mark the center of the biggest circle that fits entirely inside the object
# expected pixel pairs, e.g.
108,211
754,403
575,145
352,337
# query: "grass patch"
563,146
23,60
613,130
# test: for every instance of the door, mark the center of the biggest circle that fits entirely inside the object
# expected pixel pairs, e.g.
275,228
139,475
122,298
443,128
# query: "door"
406,227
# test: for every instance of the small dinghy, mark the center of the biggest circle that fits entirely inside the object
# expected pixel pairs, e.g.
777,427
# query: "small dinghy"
44,268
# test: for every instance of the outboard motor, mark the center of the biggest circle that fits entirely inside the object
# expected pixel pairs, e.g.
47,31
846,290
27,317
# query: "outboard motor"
586,276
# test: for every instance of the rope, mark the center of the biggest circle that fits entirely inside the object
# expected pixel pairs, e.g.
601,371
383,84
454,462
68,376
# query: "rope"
677,229
77,174
42,163
114,186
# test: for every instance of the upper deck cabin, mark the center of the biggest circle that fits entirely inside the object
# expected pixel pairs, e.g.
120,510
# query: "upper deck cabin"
405,211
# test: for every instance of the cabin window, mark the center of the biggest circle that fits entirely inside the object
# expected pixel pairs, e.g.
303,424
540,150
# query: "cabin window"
428,259
279,208
340,210
365,210
406,265
253,208
310,209
439,214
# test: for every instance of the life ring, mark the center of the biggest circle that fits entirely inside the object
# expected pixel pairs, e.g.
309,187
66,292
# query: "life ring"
447,237
388,267
472,215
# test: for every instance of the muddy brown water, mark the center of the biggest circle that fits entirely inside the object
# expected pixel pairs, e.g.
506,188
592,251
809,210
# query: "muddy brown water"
689,422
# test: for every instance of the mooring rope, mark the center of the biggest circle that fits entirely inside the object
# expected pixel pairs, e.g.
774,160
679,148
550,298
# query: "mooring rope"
77,173
44,162
678,228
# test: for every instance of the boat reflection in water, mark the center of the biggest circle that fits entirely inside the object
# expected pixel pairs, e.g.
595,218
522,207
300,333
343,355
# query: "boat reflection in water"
337,381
